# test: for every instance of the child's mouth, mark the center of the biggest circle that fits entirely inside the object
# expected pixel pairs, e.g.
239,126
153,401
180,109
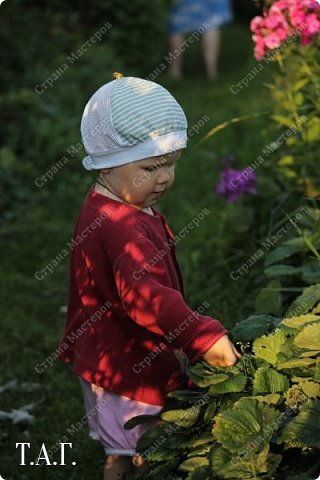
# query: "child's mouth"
157,194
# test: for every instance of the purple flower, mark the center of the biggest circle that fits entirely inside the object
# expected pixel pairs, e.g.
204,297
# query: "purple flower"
233,182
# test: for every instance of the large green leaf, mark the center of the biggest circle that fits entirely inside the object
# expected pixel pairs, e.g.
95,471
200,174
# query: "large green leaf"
216,379
272,398
304,303
268,380
309,337
150,439
203,375
191,463
305,427
296,363
246,464
300,321
138,420
183,418
311,353
231,385
269,299
281,271
288,350
247,422
206,437
179,438
254,326
296,379
312,390
268,346
285,250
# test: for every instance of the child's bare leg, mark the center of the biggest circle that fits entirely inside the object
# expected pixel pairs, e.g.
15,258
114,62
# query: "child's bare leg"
116,466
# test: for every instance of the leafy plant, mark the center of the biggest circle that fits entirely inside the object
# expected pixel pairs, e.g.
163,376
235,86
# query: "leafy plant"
252,420
291,267
260,418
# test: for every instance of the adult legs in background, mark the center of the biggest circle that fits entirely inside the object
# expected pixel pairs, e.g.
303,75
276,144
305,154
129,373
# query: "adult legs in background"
211,47
175,67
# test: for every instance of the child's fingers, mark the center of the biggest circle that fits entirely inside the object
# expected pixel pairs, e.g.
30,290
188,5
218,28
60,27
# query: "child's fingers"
223,353
238,354
229,359
232,361
232,357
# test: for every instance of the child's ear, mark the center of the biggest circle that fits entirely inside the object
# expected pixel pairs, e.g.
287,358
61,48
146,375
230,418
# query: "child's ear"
105,170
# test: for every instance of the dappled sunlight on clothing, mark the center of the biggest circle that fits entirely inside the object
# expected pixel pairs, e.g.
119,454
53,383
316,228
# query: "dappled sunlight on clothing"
126,298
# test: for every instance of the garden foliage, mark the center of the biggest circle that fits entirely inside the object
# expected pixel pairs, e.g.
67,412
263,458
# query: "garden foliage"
261,417
289,34
252,420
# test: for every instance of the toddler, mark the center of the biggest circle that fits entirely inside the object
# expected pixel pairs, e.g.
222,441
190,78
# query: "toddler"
128,326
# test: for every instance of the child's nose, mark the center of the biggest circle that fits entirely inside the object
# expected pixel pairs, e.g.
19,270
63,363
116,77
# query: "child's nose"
164,175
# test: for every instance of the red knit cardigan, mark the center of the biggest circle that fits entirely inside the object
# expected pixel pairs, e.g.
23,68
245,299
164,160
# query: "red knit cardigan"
126,308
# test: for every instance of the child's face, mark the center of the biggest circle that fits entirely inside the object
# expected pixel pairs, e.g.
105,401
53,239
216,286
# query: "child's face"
137,182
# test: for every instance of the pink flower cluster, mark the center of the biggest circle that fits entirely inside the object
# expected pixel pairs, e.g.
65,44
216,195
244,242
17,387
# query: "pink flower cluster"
285,18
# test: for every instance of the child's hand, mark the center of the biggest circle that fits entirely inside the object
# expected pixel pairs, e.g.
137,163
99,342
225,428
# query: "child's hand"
222,353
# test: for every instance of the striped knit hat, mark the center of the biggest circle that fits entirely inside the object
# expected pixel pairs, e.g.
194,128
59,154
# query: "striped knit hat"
129,119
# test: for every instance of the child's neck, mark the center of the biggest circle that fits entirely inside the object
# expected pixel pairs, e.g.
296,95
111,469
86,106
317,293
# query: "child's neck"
103,190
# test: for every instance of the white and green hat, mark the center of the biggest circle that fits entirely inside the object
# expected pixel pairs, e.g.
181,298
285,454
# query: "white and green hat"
129,119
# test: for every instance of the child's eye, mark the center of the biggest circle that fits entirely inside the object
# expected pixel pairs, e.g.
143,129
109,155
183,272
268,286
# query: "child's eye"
155,167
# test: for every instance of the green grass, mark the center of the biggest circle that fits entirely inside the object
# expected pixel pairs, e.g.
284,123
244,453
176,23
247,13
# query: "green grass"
42,220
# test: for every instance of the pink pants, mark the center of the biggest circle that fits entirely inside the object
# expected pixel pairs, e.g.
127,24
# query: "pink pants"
107,412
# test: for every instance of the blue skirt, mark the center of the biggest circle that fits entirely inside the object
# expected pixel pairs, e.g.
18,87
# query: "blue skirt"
189,15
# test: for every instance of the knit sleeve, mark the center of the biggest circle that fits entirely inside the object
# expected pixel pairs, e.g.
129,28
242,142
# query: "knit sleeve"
143,285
